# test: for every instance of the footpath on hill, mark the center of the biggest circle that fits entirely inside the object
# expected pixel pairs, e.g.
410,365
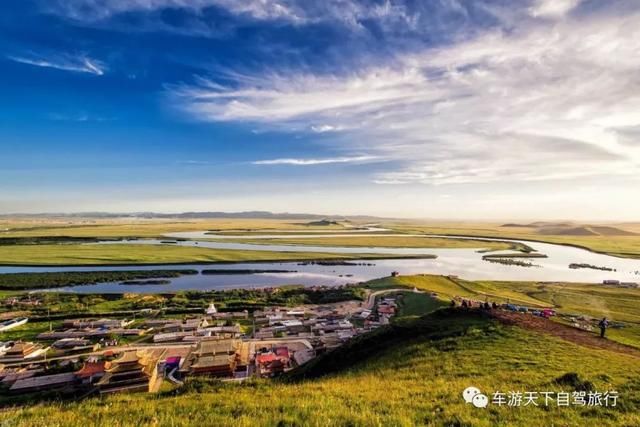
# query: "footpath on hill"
565,332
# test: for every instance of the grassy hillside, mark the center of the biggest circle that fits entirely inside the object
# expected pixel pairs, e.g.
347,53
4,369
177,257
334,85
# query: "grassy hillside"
73,254
411,373
618,304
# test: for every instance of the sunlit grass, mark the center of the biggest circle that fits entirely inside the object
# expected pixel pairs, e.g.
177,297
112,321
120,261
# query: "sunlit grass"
385,241
627,246
74,254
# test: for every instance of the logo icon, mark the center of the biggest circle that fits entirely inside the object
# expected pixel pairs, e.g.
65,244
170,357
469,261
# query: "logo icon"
474,396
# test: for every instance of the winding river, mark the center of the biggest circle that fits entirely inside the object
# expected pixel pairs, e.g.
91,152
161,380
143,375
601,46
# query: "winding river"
465,263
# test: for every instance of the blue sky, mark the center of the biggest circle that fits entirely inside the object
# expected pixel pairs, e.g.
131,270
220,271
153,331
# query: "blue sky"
443,109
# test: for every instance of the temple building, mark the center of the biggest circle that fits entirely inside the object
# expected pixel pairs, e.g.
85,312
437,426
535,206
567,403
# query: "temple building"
133,371
213,357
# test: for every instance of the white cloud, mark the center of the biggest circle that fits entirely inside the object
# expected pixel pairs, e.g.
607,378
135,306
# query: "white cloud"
547,101
80,64
325,128
552,8
293,11
102,9
313,162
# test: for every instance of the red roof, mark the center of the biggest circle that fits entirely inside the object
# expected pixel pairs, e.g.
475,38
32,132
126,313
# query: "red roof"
91,368
266,358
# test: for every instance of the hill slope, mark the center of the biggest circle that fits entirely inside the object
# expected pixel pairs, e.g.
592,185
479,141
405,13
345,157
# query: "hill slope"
411,373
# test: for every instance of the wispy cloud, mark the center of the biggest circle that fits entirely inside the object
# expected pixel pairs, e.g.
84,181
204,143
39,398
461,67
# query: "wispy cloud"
294,11
313,162
80,64
390,17
542,102
79,117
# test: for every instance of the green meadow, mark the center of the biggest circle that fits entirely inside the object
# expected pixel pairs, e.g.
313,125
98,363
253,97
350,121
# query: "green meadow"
118,254
371,240
613,244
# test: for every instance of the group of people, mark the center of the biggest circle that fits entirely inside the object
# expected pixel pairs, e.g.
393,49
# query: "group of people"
478,304
603,324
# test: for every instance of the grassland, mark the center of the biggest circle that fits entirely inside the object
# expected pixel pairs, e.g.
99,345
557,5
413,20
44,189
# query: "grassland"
113,228
387,241
618,245
415,304
120,254
28,331
18,281
407,374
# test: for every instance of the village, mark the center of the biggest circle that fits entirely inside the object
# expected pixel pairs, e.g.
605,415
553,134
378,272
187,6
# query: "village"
83,357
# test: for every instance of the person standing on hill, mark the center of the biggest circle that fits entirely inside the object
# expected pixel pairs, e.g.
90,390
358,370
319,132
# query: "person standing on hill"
603,325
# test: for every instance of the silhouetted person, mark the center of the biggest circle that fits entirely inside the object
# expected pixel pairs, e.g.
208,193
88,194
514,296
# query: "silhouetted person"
603,325
464,303
487,306
494,305
453,303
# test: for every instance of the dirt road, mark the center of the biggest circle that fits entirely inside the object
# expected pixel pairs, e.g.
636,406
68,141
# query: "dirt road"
578,336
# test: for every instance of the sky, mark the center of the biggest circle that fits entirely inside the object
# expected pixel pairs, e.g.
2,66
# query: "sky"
448,109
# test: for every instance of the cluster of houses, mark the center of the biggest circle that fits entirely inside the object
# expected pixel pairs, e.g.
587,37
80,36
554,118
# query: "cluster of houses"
621,284
83,357
22,301
323,326
102,329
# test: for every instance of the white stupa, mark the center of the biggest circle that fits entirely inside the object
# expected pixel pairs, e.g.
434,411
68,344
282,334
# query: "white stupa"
211,309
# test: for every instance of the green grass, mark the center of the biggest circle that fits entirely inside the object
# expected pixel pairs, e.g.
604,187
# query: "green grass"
417,304
625,246
60,279
59,305
408,374
144,228
386,241
28,331
116,254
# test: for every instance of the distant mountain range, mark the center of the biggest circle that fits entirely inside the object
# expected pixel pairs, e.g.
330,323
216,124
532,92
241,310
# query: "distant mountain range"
570,229
198,215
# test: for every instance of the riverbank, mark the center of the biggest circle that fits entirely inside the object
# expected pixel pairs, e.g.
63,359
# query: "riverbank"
553,241
381,241
70,255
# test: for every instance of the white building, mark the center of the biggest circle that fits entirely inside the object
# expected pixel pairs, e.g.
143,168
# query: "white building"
211,310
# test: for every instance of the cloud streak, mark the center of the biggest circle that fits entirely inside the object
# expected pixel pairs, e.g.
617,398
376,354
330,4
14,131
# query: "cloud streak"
292,11
314,162
80,64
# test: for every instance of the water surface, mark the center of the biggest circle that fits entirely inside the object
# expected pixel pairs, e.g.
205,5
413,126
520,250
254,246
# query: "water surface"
465,263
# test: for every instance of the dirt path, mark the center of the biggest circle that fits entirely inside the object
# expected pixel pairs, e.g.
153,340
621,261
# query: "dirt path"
371,299
565,332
